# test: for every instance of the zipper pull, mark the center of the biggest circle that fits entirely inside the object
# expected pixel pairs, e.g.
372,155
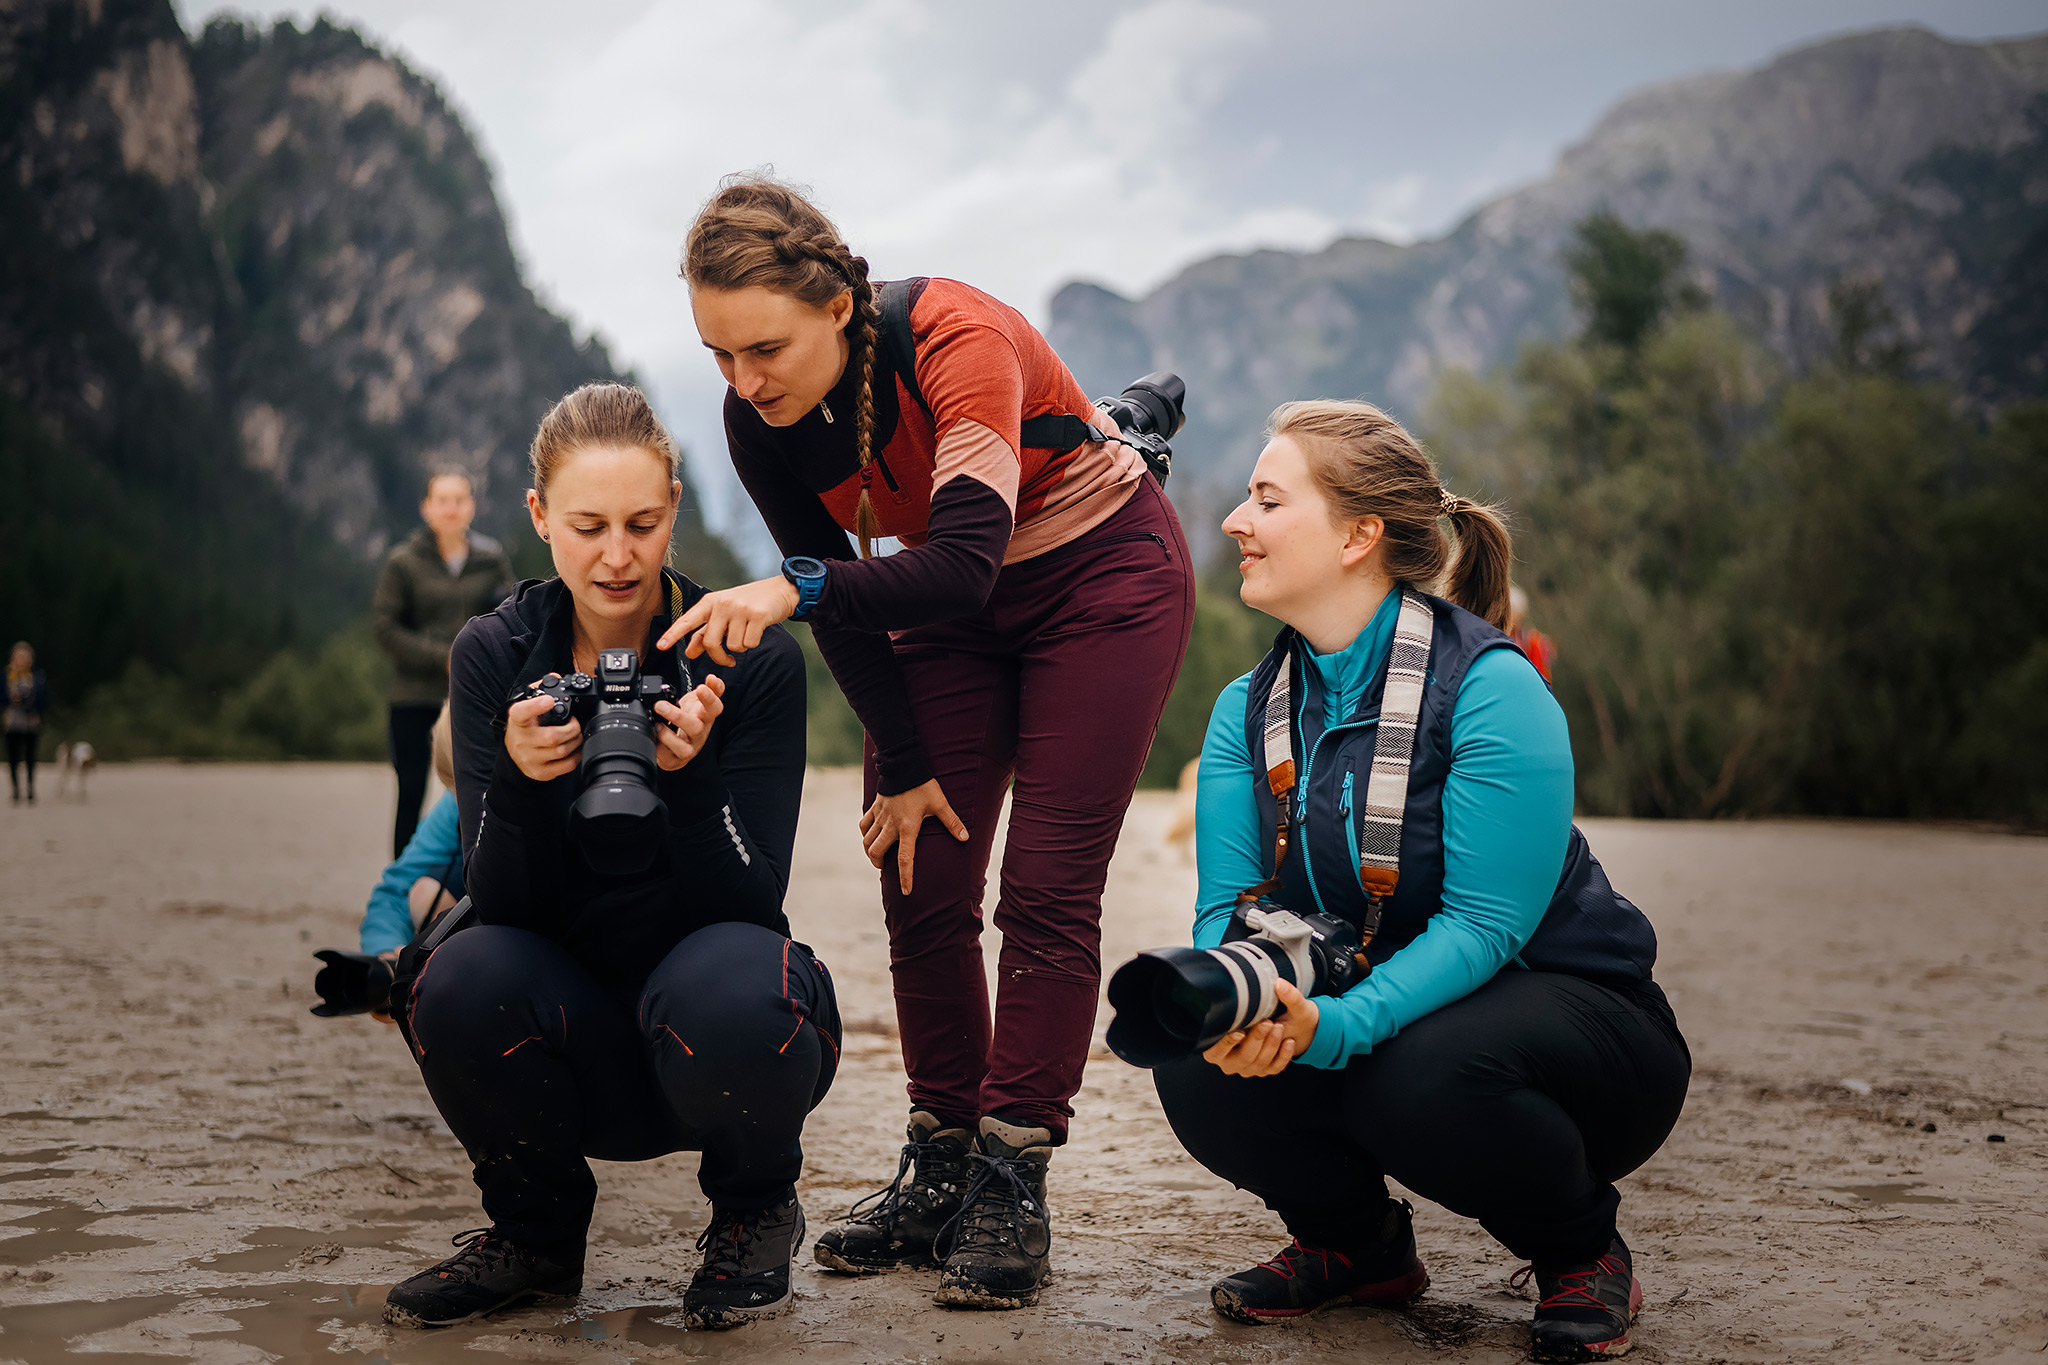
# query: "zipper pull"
1344,803
825,408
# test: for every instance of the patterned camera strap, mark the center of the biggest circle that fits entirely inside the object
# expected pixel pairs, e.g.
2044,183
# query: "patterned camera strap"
1386,787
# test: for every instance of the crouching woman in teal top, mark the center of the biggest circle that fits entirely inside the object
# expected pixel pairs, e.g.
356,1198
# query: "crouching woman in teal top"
1508,1056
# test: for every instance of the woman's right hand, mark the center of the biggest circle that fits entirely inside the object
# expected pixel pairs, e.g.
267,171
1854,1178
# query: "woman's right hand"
542,752
897,819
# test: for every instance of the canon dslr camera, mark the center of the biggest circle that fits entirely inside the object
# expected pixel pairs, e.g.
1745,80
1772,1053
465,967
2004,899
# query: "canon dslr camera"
617,821
1176,1002
1150,413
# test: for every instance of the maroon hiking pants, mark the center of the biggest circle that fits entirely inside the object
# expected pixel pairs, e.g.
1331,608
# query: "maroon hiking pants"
1056,686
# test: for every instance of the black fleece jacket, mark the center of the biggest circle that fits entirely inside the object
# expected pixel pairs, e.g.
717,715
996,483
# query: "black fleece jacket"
732,810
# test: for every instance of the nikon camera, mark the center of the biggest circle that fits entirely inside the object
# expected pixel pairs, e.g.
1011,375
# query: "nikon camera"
617,821
1150,412
1172,1003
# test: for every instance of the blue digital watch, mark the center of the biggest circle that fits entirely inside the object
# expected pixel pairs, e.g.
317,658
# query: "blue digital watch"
808,575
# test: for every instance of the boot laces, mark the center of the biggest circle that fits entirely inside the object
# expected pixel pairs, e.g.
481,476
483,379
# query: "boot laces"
482,1252
1574,1287
728,1240
886,1205
991,1216
1287,1264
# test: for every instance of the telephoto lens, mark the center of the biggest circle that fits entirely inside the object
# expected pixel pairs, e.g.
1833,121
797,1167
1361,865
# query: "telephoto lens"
1172,1003
1149,414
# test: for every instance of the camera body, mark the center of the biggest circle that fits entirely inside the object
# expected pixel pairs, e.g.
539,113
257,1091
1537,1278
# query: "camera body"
1150,412
618,820
1173,1003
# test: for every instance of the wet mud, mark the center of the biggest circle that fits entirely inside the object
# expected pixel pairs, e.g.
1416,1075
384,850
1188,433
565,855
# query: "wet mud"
193,1168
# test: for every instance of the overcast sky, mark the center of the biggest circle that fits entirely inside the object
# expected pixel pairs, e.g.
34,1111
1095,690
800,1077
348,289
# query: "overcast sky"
1018,144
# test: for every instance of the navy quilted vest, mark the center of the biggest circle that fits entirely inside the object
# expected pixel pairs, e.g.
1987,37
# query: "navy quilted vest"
1590,929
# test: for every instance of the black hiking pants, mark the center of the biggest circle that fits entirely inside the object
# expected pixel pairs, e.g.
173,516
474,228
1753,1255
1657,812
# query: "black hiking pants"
412,758
1519,1105
727,1046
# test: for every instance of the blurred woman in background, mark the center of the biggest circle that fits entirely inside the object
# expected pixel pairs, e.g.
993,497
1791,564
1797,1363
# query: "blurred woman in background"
28,696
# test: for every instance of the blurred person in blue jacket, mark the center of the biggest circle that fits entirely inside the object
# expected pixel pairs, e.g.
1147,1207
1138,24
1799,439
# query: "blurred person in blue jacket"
426,878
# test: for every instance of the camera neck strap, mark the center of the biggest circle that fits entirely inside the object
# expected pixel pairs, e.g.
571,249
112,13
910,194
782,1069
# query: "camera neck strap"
1386,786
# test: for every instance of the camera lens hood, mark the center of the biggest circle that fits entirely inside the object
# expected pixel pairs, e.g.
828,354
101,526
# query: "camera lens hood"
351,983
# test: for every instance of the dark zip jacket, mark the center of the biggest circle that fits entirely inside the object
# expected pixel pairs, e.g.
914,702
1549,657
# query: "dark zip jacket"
732,810
419,607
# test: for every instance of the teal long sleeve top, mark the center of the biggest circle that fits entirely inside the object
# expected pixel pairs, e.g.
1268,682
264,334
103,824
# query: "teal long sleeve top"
1506,822
435,846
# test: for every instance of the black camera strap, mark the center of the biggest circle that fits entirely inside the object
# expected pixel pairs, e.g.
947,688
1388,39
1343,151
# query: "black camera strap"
1386,786
1052,431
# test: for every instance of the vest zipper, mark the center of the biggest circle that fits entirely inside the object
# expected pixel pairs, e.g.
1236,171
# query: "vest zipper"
1308,752
1350,824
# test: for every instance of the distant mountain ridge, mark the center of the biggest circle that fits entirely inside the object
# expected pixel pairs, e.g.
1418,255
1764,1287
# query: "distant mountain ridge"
255,286
1895,156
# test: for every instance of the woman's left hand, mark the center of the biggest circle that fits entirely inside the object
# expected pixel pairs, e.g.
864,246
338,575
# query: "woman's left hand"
1268,1046
731,621
691,721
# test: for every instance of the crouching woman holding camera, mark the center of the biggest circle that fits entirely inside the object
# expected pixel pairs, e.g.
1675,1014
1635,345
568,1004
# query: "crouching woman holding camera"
1508,1054
630,988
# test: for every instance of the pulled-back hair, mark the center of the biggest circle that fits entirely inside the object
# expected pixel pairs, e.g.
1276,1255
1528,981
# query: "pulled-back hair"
1367,465
758,232
598,415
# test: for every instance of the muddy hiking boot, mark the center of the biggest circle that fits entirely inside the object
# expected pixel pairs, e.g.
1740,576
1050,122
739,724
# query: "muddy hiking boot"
747,1260
895,1227
487,1274
1303,1278
1584,1311
997,1247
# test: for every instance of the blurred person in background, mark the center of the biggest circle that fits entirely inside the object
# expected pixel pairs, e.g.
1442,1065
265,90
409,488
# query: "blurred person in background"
28,696
431,585
1537,646
620,1014
1024,639
427,877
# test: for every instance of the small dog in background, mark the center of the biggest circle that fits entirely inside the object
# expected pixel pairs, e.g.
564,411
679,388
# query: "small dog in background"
74,761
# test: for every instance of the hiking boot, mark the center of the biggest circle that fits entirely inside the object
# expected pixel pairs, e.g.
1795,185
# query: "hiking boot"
897,1225
747,1259
997,1245
1303,1278
1583,1311
489,1273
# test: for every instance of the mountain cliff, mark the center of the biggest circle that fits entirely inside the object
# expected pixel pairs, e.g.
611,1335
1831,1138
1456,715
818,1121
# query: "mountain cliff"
1895,157
254,287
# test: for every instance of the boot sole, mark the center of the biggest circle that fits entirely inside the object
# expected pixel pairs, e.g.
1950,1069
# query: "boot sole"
975,1296
396,1316
833,1261
1403,1289
720,1319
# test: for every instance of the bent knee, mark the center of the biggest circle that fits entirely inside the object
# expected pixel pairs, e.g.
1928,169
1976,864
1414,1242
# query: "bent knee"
485,966
725,981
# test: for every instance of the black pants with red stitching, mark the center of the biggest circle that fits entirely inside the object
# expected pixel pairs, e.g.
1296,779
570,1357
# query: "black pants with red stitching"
732,1041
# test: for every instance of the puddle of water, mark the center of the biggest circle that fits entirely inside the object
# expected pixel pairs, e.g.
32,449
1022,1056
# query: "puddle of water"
45,1116
57,1231
1890,1194
272,1249
36,1333
41,1156
35,1173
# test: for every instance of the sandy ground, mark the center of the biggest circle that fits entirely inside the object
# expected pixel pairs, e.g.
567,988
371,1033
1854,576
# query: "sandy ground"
192,1167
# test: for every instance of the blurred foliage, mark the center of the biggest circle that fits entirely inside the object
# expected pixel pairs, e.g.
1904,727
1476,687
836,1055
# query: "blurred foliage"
1817,594
326,703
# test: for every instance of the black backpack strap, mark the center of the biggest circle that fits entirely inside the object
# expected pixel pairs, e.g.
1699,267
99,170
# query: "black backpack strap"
1053,431
898,345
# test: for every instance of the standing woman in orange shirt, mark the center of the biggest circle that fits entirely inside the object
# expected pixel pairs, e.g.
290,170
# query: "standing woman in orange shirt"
1025,636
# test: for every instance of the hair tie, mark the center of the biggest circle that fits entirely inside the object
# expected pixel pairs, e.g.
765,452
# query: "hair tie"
1448,501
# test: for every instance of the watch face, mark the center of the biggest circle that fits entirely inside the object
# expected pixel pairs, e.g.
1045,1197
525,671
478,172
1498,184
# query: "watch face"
803,566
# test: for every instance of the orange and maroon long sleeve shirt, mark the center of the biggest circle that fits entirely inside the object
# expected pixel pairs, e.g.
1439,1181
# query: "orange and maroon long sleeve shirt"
955,487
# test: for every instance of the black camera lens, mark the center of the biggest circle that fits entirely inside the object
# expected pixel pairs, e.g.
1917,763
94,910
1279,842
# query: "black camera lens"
1175,1002
351,983
1158,403
618,820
